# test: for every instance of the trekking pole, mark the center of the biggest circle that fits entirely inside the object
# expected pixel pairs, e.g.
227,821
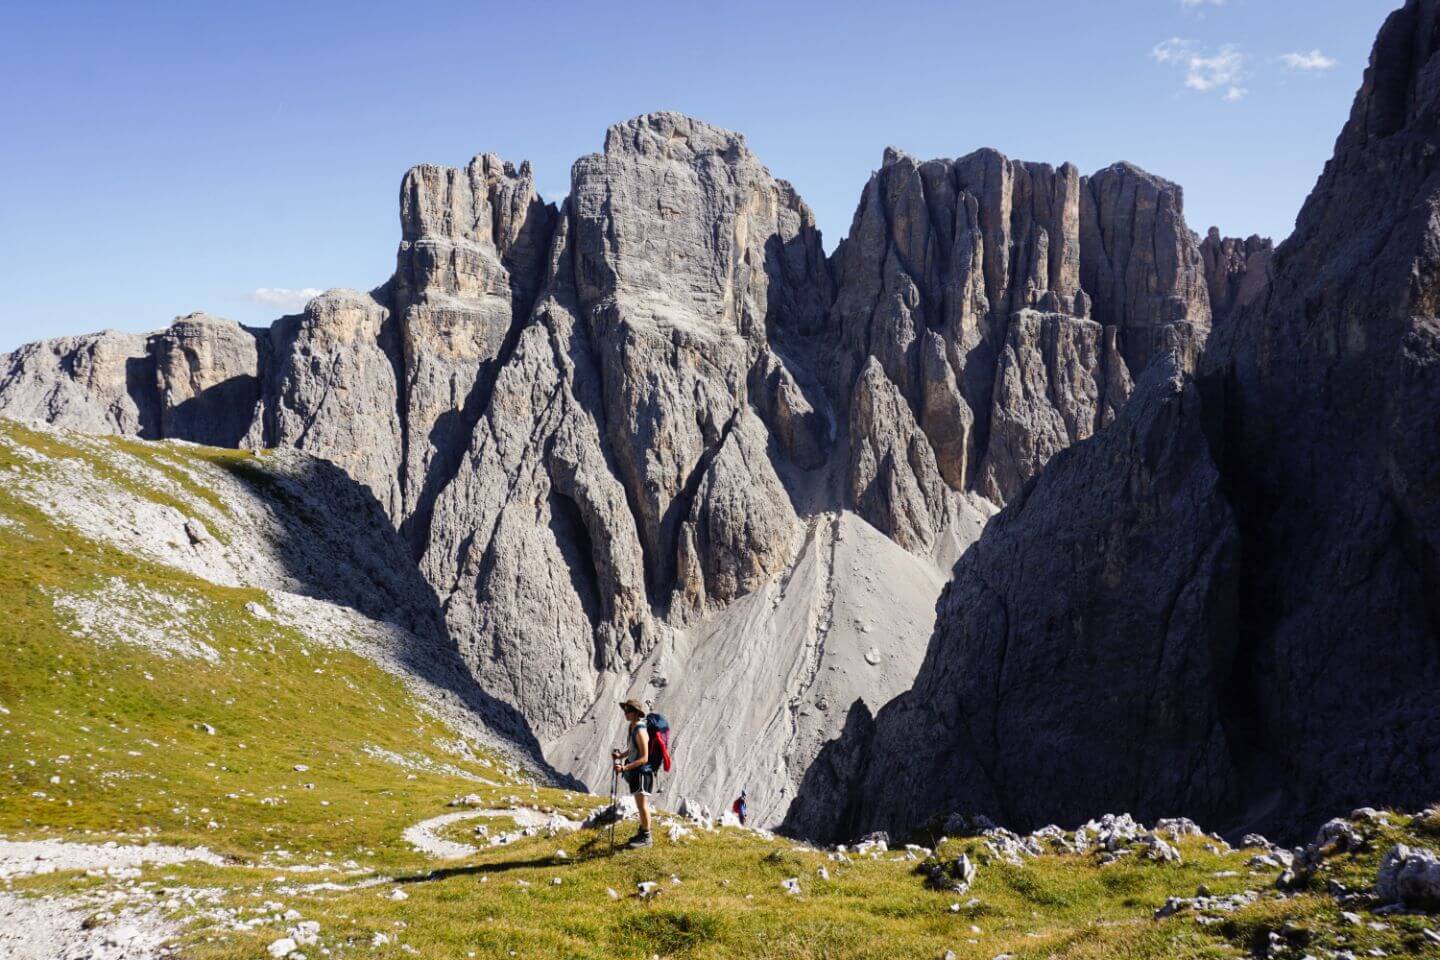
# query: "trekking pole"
614,804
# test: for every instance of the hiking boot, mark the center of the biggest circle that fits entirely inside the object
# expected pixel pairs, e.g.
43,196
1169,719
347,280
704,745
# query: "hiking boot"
641,839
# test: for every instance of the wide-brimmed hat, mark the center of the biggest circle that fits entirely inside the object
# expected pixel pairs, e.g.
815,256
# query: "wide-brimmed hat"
633,704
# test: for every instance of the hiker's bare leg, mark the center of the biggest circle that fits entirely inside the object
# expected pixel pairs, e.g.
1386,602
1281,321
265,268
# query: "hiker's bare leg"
642,804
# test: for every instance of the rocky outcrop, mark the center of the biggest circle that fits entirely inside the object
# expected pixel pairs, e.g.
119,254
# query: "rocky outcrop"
687,253
533,546
1236,271
738,533
894,481
791,402
208,380
939,257
1058,380
1224,604
332,389
1409,876
101,383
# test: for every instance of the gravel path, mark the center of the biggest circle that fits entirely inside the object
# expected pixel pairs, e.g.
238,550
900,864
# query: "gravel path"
46,928
423,836
25,858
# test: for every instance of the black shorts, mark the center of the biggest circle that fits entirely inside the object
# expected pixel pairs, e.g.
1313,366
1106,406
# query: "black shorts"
640,781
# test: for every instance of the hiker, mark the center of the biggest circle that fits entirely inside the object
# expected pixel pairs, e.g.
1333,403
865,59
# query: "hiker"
738,807
636,768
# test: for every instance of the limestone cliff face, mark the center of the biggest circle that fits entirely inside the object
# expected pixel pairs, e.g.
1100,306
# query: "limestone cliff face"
207,374
1224,604
652,441
100,383
687,254
1237,271
332,390
1010,305
534,549
1142,265
472,255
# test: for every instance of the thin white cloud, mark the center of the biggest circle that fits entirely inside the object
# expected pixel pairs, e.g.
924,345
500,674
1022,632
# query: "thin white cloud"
283,298
1222,70
1202,3
1210,73
1174,50
1314,60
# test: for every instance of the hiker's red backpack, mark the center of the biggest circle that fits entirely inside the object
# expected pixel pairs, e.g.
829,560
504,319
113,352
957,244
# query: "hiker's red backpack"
659,729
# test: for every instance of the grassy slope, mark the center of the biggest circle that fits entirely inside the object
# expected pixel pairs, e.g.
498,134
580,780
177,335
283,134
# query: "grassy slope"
140,764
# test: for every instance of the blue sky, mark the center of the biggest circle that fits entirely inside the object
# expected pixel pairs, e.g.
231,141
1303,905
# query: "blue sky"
158,158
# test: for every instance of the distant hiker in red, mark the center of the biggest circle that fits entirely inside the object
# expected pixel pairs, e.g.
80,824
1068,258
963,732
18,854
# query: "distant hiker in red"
738,808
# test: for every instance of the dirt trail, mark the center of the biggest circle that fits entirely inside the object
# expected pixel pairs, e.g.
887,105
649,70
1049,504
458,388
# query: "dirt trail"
25,858
424,837
52,928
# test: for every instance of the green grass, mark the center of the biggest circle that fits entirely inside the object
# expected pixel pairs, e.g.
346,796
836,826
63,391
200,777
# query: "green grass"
120,452
173,464
464,831
122,727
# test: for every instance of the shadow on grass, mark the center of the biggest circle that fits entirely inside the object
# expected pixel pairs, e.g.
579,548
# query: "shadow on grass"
596,848
481,869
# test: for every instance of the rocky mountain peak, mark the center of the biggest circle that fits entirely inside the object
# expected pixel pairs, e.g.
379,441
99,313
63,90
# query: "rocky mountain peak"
1142,264
1013,304
892,155
1236,271
682,222
478,203
673,136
